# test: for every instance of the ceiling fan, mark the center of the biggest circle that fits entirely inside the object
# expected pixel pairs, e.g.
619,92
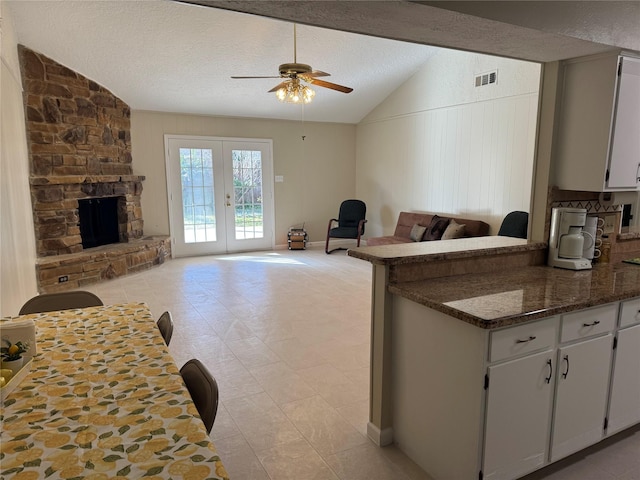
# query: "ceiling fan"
291,90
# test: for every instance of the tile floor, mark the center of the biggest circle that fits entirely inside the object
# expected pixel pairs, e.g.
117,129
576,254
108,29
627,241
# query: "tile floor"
286,333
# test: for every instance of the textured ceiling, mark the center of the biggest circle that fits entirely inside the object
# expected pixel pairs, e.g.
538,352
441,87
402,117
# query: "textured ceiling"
176,57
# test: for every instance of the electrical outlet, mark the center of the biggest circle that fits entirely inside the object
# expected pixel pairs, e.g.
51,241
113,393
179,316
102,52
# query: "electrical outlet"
609,224
63,278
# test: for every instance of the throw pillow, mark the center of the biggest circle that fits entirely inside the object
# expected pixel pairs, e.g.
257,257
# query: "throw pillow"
417,232
454,230
436,228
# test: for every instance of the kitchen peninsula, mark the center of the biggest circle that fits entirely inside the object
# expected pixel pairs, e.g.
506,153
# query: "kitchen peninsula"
480,354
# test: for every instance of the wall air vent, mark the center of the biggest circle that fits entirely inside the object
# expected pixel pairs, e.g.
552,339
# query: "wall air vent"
487,78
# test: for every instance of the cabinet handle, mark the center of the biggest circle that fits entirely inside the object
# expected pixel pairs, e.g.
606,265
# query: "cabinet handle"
548,379
595,322
566,372
527,340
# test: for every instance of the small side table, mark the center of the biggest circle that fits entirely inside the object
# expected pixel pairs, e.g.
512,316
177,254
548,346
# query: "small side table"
297,239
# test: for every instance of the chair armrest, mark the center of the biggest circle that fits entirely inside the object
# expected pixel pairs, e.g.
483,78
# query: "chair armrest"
361,226
330,223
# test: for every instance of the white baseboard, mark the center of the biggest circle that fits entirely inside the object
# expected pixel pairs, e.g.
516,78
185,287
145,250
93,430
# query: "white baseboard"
381,438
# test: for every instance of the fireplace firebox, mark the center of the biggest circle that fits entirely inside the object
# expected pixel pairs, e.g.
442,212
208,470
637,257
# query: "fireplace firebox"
99,221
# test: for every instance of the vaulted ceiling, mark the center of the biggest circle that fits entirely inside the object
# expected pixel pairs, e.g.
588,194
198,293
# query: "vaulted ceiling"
179,56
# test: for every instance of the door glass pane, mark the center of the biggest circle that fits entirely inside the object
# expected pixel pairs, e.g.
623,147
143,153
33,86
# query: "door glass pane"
196,172
247,184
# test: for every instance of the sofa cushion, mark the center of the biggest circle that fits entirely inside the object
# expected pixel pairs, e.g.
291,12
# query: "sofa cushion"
474,228
454,230
406,221
388,240
436,228
417,232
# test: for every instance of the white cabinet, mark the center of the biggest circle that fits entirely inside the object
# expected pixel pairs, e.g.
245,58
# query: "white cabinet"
544,405
624,404
499,404
630,312
598,143
519,401
624,168
581,395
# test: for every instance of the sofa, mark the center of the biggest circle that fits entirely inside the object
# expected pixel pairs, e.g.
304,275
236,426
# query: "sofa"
410,225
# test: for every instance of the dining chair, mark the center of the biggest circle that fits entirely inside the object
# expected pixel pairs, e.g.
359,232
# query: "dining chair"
203,389
49,302
165,325
515,224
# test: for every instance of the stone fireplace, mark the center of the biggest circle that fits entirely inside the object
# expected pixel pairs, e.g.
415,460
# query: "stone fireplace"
79,141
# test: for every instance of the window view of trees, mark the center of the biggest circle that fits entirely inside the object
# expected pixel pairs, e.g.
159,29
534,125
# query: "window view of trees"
247,185
196,172
198,201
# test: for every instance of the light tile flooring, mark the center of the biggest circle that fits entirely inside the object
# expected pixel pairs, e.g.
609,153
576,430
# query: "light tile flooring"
286,334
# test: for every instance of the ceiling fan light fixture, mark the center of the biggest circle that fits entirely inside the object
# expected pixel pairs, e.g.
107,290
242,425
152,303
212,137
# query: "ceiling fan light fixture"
294,92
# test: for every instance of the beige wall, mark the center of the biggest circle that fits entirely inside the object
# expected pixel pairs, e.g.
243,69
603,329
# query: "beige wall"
439,144
17,238
318,172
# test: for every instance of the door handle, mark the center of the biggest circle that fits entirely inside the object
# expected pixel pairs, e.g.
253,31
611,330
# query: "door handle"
550,365
592,324
566,372
531,338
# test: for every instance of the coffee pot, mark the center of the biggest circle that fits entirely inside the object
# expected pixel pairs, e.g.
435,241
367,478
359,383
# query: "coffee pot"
566,239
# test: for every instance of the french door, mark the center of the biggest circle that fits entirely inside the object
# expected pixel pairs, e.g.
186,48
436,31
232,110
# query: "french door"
220,194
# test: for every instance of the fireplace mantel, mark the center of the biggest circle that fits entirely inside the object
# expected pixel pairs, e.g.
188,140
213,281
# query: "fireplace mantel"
76,179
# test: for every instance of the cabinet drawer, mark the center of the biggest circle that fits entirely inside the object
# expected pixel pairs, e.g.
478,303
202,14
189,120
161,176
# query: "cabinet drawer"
589,322
630,312
523,339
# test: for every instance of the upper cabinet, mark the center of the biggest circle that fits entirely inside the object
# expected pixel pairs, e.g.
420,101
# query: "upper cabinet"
598,143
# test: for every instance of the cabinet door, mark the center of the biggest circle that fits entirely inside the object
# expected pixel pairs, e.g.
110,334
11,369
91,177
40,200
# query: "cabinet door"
624,165
629,312
518,412
581,395
624,406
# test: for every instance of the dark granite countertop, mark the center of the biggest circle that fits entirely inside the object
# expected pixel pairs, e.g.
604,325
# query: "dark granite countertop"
515,296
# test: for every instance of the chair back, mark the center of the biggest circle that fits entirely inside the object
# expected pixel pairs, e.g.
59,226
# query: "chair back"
49,302
165,325
350,214
515,224
203,389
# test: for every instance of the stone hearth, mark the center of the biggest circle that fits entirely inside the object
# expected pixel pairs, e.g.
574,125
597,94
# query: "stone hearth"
79,142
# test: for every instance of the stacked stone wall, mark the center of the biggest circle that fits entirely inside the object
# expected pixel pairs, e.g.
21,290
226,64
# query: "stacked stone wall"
79,139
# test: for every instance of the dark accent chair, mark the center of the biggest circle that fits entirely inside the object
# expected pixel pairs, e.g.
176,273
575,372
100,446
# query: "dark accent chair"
203,389
351,220
515,224
165,325
49,302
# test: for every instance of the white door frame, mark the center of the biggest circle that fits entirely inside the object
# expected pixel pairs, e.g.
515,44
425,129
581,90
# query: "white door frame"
267,177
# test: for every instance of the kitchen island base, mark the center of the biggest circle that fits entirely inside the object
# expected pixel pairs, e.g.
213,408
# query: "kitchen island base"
473,403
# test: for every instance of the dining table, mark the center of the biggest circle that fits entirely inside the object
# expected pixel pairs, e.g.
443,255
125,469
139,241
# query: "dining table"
103,399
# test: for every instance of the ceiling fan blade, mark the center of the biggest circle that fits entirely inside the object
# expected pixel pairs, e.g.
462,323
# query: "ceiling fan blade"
237,77
281,84
317,73
332,86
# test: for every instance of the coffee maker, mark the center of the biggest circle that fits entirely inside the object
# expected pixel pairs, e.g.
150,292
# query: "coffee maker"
566,239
